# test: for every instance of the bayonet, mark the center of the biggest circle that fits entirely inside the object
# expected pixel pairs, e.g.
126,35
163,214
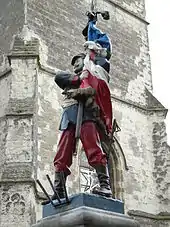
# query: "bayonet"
78,125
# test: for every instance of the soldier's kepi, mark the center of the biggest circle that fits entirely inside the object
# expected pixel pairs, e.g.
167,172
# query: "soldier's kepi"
88,85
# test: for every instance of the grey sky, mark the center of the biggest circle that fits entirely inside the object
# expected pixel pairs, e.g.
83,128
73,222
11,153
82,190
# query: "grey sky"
159,40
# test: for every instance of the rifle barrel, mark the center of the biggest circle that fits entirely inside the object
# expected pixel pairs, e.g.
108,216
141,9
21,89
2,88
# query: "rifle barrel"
79,120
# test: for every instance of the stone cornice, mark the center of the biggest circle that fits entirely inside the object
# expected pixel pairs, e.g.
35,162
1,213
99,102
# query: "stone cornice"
26,180
23,114
24,49
143,108
141,214
13,115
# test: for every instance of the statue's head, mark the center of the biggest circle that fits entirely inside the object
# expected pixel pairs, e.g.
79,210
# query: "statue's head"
78,62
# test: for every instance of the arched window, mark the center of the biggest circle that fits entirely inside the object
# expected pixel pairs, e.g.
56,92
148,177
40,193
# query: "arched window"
117,164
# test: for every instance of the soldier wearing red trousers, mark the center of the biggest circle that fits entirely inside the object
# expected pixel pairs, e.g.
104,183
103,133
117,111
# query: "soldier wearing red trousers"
83,87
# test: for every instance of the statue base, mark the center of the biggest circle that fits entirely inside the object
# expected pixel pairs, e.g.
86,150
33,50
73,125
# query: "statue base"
86,210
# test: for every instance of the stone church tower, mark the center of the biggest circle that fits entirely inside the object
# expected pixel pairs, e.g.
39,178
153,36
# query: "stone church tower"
38,38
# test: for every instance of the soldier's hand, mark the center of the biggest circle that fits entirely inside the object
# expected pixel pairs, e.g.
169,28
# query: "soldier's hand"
72,93
80,93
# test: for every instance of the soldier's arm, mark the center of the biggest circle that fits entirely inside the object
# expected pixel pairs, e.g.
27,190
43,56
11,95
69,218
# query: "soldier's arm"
65,79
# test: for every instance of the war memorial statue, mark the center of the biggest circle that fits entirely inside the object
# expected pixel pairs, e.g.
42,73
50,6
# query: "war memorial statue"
87,115
86,88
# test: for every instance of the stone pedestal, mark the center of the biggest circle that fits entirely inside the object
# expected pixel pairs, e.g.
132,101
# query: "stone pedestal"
86,210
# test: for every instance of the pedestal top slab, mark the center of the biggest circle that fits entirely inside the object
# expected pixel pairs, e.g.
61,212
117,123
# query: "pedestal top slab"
85,200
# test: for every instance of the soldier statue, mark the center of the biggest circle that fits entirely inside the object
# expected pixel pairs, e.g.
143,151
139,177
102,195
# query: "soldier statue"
89,85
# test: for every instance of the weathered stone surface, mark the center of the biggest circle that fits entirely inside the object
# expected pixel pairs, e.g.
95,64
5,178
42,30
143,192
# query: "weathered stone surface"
135,6
4,93
11,23
86,216
3,134
17,207
17,165
161,170
136,141
23,47
149,220
23,78
19,140
153,103
17,172
130,71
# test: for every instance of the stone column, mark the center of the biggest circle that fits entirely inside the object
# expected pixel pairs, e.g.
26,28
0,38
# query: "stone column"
18,149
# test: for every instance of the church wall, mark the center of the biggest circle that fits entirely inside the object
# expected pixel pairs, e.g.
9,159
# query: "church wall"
59,25
3,134
130,62
136,141
135,6
4,93
144,142
11,23
161,169
17,165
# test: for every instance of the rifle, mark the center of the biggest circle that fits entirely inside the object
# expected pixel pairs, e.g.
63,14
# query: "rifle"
78,125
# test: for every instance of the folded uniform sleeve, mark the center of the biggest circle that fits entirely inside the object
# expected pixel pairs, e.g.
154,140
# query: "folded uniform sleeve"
65,79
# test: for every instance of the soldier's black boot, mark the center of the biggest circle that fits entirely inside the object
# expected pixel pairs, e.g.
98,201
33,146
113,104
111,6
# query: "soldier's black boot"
59,187
104,182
